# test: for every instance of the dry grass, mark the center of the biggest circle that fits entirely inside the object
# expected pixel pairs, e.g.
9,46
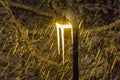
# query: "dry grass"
29,52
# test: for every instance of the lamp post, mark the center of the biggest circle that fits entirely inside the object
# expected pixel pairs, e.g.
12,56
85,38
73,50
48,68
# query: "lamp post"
71,17
74,34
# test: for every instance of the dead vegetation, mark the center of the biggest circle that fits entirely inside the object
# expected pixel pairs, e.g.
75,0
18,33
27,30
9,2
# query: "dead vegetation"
28,43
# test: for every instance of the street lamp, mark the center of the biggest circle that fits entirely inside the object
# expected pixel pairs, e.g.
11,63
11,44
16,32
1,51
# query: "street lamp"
71,17
74,39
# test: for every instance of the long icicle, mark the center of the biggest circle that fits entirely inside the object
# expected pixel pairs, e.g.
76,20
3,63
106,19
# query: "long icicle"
62,35
58,38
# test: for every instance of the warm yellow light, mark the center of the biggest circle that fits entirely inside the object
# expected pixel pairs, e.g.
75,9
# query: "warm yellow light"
62,27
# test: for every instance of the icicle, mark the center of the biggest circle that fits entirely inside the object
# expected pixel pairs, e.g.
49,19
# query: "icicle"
58,38
62,27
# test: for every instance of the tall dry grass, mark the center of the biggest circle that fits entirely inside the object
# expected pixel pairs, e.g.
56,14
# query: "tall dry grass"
28,51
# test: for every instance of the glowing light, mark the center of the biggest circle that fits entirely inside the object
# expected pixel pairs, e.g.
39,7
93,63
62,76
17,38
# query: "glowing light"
62,27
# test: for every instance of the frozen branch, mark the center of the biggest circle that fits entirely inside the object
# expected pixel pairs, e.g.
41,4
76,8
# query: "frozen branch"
30,8
115,24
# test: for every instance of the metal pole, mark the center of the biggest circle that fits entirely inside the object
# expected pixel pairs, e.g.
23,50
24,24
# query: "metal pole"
75,54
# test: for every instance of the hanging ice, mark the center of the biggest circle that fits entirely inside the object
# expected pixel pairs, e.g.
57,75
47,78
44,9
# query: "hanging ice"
62,27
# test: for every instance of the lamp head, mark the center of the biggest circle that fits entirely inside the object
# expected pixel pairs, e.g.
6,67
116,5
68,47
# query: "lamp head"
63,23
66,25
